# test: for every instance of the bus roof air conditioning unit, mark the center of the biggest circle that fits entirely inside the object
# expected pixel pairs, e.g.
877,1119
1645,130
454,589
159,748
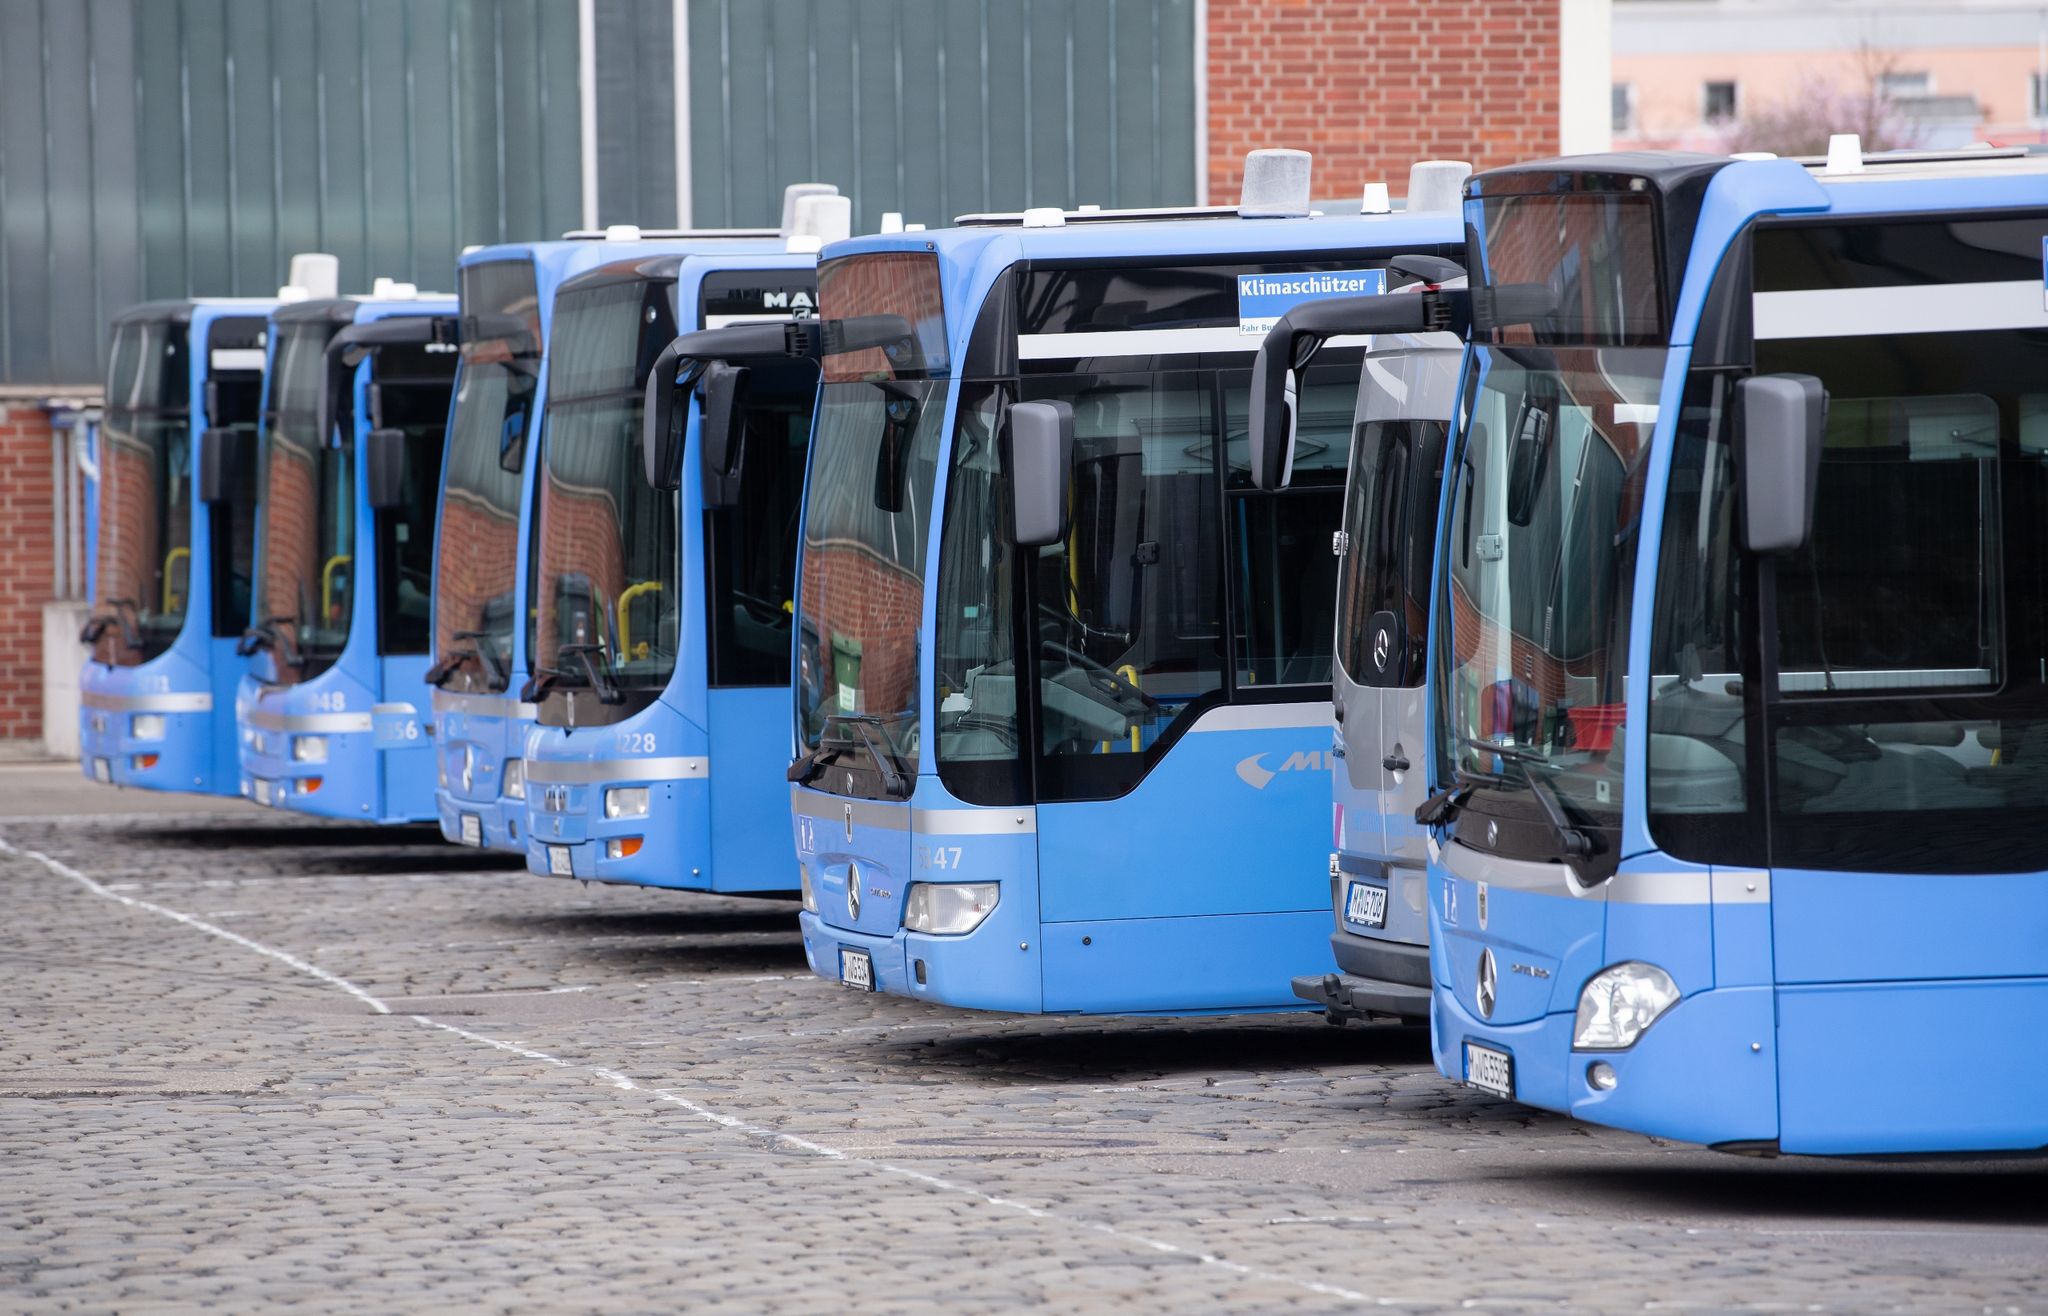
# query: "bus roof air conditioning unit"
1276,185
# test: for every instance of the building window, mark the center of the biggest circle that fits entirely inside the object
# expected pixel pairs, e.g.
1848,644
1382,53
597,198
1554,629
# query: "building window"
1900,86
1624,103
1717,102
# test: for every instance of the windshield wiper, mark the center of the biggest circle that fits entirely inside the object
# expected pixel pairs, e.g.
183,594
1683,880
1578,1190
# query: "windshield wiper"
1574,844
538,685
868,729
594,676
482,655
268,634
128,616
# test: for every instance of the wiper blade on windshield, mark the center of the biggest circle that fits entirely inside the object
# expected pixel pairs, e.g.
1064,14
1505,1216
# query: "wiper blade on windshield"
268,635
495,672
538,685
597,678
127,614
868,730
1574,843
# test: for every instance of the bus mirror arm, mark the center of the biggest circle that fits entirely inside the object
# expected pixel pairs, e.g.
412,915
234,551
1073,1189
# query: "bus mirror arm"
1781,425
1042,459
1294,339
660,445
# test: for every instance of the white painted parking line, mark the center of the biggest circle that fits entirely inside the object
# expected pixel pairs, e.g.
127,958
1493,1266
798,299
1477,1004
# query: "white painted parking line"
753,1132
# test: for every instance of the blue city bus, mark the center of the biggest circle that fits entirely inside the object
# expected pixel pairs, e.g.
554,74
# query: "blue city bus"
1385,552
1739,652
507,295
173,520
661,588
349,461
1063,671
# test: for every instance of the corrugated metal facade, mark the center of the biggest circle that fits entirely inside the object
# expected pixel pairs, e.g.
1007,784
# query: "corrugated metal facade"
167,148
940,107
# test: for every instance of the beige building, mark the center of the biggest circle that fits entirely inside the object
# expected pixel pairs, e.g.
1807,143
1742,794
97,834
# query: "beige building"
1768,74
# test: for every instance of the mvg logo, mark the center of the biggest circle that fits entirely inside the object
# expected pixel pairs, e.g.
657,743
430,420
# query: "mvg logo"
1258,776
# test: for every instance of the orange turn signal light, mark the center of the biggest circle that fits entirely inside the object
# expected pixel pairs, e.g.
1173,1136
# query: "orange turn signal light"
145,760
307,785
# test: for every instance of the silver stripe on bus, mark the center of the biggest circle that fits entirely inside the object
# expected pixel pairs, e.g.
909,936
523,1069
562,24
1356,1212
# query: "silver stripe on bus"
1151,342
1742,886
1926,308
312,722
1265,717
1016,820
449,701
568,772
198,702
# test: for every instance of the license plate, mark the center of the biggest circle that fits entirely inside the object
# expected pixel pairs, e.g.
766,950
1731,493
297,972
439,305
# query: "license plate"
856,969
1365,904
472,829
559,863
102,770
1490,1070
262,791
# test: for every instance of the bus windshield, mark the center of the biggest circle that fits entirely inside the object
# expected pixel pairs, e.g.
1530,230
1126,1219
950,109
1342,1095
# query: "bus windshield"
306,566
603,626
146,471
1539,536
493,415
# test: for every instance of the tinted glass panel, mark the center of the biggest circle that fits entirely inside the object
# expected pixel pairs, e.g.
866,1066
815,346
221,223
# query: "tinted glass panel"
145,546
306,550
234,413
413,386
1397,471
1568,269
751,566
495,392
891,310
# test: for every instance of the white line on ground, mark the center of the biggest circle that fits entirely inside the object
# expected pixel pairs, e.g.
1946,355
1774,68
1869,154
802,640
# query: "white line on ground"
755,1132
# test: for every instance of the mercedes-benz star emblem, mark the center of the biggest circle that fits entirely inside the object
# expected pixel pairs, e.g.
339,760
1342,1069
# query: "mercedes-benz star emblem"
1381,644
468,768
1492,833
1488,984
852,892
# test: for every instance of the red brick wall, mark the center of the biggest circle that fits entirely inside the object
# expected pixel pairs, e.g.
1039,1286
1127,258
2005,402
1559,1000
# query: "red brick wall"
291,538
26,563
480,562
1371,86
874,602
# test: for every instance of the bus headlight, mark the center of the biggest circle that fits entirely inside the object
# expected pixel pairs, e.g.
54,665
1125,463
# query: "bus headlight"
146,726
1618,1003
309,749
948,908
803,881
625,802
515,779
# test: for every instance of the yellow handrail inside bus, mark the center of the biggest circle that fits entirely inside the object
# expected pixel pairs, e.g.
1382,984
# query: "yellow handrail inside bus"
327,585
1130,673
169,558
626,598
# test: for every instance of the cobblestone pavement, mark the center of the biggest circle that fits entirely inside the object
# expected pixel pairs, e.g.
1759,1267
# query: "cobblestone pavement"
249,1062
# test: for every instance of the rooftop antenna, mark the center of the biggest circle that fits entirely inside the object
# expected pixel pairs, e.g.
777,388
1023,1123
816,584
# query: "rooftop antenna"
1376,200
1437,187
796,192
1276,184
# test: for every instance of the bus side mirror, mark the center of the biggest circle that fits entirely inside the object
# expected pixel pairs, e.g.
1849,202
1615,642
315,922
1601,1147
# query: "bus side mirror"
1042,464
1528,456
661,424
1272,422
384,459
1782,422
723,432
223,462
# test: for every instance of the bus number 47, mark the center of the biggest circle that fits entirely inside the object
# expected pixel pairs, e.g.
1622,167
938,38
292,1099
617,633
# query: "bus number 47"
938,856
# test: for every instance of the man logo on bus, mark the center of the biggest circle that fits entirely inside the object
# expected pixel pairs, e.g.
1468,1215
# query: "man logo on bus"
1258,776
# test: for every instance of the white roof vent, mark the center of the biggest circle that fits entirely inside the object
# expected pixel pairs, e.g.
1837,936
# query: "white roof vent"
472,248
313,274
1437,187
382,287
892,222
1044,217
913,228
1276,185
1752,155
1376,200
392,288
1845,154
794,193
821,218
622,233
1088,208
